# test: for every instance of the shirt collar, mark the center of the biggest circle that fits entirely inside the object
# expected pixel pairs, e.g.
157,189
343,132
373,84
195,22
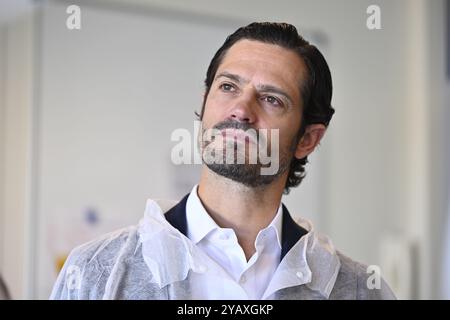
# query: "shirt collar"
312,260
200,224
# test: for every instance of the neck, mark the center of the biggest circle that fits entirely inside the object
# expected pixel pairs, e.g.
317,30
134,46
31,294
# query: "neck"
246,210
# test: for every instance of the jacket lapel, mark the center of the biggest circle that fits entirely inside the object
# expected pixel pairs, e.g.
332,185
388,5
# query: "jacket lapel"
291,233
176,216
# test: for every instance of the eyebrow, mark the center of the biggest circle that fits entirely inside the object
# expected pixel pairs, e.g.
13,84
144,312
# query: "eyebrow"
232,76
262,87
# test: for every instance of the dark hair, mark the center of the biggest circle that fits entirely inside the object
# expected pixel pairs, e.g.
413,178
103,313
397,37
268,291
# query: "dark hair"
316,91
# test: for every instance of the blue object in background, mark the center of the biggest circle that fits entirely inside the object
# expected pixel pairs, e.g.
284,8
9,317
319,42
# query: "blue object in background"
91,216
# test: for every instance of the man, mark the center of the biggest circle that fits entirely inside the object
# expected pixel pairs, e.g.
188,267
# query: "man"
231,237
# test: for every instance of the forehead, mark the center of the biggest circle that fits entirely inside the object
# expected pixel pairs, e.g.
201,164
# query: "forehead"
265,63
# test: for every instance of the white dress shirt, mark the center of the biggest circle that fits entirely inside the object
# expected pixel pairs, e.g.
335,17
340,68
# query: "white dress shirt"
221,245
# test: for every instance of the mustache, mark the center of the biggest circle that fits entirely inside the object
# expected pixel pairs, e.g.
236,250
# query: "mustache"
230,124
259,137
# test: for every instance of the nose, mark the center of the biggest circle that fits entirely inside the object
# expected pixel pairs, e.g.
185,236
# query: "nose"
243,110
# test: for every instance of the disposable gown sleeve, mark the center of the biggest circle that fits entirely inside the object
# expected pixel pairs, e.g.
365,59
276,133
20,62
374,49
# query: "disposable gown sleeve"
76,281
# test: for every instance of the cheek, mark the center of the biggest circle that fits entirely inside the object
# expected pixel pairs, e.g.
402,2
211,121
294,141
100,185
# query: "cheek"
285,140
215,111
288,134
208,117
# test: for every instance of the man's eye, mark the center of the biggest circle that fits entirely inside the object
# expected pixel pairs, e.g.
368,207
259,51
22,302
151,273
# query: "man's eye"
226,87
273,100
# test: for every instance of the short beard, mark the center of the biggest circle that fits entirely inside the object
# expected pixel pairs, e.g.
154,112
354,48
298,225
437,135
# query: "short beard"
250,174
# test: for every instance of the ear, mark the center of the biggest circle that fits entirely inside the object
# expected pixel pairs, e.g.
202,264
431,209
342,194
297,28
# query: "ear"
311,138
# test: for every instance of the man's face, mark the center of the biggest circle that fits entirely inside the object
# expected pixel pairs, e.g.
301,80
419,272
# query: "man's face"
257,86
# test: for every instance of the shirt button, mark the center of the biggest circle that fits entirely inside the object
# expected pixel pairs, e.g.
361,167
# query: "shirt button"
300,274
243,279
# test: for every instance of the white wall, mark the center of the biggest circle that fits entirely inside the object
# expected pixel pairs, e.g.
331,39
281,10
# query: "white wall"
428,148
443,227
438,103
444,272
17,156
2,134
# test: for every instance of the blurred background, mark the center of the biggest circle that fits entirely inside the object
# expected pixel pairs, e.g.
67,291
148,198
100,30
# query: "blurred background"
86,117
